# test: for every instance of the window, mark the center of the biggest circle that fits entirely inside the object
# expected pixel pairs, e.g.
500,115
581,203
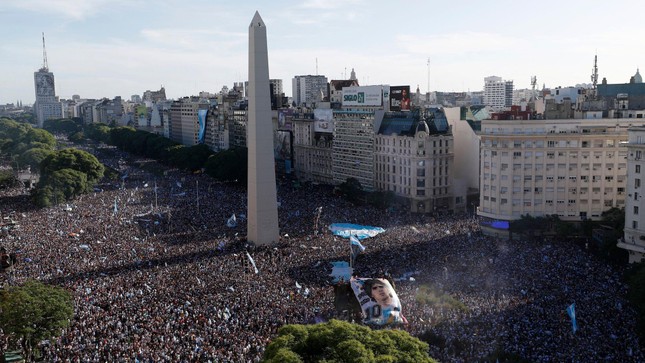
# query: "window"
638,169
637,183
635,224
635,210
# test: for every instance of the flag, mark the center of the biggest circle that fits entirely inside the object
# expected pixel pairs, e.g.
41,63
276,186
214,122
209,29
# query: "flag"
355,242
115,208
571,310
232,222
252,263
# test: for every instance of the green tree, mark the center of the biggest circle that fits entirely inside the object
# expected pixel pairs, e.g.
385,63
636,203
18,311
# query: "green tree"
73,159
339,341
228,165
33,157
34,312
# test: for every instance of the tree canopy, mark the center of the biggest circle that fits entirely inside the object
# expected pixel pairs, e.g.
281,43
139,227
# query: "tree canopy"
34,312
339,341
228,165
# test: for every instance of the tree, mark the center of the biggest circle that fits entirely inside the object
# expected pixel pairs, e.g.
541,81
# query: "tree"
33,157
339,341
73,159
228,165
34,312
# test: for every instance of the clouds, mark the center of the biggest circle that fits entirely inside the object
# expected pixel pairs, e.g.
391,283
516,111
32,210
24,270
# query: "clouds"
67,9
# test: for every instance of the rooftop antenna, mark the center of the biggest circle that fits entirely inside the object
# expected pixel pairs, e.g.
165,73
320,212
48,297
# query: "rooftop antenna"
45,66
428,75
316,65
594,74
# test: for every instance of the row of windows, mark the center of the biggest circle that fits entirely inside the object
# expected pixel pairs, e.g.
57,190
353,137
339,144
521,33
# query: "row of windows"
551,202
528,144
540,190
551,178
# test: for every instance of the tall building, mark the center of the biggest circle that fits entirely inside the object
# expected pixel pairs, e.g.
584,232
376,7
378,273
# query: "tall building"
184,120
262,210
47,105
634,238
414,157
308,90
498,94
573,168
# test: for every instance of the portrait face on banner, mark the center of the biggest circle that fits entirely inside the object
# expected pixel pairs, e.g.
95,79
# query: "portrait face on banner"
379,303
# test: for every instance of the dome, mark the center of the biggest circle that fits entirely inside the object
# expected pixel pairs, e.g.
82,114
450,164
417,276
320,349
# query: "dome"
423,126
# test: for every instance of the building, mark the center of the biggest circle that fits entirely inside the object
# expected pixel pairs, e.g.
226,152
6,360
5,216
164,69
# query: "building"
634,238
184,120
575,169
46,105
308,90
336,89
353,150
154,96
414,155
313,141
498,94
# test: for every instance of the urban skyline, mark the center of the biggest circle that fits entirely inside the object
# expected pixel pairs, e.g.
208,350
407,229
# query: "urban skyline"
101,48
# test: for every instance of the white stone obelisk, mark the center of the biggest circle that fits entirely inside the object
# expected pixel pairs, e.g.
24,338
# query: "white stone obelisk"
262,211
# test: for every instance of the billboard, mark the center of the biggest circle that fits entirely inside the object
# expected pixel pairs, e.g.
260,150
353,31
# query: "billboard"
400,98
324,120
285,118
379,303
201,116
363,96
282,145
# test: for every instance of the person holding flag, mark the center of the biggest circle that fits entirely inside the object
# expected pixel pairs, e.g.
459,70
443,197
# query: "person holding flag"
571,311
356,248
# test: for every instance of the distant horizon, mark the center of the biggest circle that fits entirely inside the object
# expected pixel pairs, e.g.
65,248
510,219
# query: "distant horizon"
102,49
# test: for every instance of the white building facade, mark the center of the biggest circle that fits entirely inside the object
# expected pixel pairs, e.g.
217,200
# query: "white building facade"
634,238
309,89
575,169
498,94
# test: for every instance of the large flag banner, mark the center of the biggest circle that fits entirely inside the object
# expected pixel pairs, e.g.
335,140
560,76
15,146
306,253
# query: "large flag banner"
571,310
379,303
341,271
346,230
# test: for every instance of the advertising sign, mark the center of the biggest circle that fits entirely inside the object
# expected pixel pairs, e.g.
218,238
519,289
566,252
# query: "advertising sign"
400,98
379,303
324,120
285,119
363,96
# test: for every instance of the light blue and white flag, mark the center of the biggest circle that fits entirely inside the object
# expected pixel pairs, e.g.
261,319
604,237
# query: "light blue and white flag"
252,263
346,230
116,210
571,310
355,242
232,222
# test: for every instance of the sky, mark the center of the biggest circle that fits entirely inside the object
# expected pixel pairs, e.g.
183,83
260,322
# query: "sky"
108,48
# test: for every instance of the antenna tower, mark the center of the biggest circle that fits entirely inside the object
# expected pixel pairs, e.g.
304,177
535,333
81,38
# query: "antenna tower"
533,83
428,75
45,66
594,74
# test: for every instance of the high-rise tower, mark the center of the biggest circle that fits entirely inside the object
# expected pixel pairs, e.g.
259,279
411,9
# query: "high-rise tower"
46,106
262,211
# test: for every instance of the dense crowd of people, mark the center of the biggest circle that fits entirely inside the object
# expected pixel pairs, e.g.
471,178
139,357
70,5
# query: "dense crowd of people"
158,276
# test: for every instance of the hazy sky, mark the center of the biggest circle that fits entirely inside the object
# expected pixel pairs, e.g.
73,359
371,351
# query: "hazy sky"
107,48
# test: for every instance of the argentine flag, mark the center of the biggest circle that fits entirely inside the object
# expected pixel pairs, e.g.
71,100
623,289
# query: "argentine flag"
355,242
571,310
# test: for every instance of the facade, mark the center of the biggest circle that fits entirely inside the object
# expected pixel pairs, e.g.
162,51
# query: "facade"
308,90
498,94
575,169
184,120
313,146
634,238
47,105
336,89
154,96
415,160
353,150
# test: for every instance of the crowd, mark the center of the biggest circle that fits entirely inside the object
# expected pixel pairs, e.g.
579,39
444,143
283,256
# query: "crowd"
158,276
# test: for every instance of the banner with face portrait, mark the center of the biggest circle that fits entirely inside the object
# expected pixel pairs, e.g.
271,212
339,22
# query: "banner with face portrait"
379,303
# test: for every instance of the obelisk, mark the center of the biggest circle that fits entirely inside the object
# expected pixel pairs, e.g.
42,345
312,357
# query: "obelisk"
262,211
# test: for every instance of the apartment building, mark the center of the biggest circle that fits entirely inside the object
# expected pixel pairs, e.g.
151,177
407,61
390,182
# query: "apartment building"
414,155
308,90
184,120
313,146
573,168
498,94
634,237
